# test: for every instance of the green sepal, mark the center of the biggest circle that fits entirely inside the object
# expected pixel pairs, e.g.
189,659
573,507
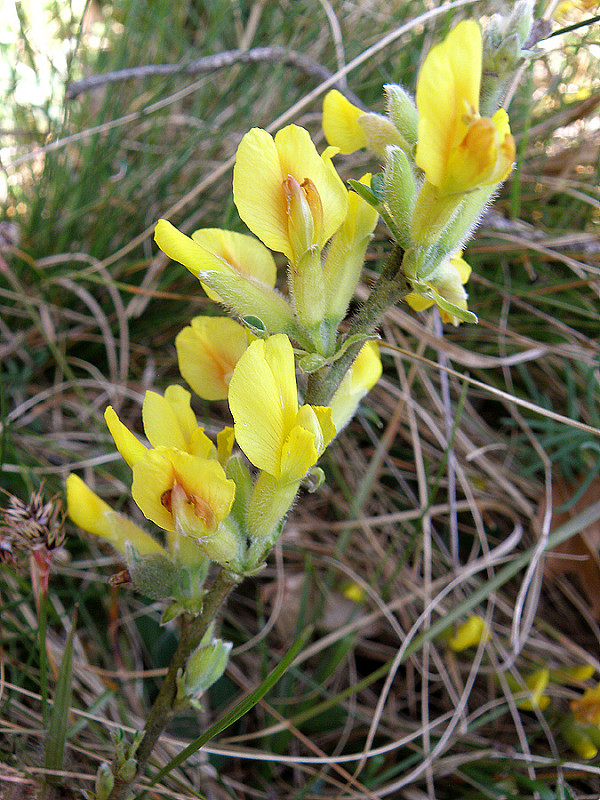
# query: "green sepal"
367,194
312,362
238,472
172,611
378,186
153,574
203,668
403,113
126,771
400,195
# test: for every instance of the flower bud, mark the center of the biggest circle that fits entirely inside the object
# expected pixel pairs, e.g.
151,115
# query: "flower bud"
105,780
403,113
204,667
400,194
579,739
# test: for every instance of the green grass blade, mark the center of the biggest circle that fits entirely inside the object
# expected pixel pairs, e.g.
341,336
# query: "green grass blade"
59,716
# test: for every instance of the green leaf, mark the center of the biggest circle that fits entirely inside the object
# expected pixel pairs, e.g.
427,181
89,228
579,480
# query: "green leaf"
366,193
256,325
59,716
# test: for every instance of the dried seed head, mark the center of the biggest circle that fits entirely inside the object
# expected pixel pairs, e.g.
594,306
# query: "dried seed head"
33,525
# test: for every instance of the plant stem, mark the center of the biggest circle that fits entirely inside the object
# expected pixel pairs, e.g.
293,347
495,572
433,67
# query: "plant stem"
391,287
164,709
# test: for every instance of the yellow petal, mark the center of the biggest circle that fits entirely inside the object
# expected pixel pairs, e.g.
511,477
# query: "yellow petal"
208,351
127,444
258,189
180,248
340,123
299,158
225,442
200,445
447,88
153,479
325,416
358,381
257,411
298,455
586,709
244,253
447,93
279,357
462,267
92,514
163,421
419,302
469,634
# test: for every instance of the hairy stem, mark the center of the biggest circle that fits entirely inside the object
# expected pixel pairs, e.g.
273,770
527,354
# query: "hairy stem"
391,287
164,709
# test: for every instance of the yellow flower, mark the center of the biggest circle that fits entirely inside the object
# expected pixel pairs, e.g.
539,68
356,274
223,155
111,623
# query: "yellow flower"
358,381
178,483
92,514
586,709
168,422
537,683
469,634
457,149
348,128
340,123
447,284
234,269
181,492
213,249
286,193
208,350
275,434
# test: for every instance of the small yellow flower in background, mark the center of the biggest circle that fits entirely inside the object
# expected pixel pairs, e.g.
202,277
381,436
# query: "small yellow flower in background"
213,249
358,381
340,123
469,634
537,683
92,514
275,434
208,350
586,709
457,149
447,283
286,193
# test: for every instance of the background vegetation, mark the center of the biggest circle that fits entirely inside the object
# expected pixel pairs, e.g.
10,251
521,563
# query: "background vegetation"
437,483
